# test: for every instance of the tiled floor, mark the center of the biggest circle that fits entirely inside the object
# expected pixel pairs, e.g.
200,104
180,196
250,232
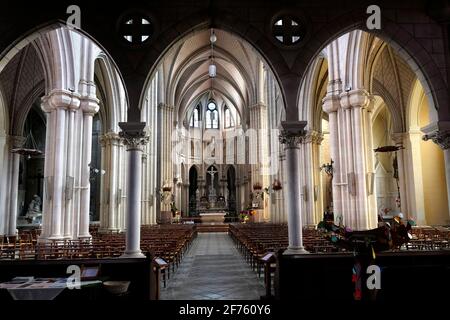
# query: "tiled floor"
213,269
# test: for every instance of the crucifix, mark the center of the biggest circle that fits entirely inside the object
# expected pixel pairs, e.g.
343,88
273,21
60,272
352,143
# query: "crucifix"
212,172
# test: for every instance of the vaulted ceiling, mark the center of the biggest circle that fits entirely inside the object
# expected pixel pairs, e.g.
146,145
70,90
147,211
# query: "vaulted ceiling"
21,84
186,78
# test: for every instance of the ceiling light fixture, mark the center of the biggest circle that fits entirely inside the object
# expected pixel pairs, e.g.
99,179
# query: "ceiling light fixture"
212,69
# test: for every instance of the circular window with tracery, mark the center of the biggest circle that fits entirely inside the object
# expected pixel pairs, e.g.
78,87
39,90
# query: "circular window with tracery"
135,29
288,30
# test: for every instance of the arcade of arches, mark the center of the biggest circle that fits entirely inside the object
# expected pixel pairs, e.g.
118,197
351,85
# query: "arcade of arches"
218,141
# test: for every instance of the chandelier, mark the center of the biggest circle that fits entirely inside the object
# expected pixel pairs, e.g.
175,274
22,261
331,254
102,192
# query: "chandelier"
29,148
212,69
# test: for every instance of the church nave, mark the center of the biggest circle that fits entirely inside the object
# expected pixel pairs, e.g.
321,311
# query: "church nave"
213,269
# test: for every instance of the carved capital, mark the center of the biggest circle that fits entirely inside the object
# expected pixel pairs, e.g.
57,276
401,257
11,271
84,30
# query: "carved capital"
358,98
258,105
292,133
110,138
165,107
63,99
89,105
313,137
330,103
399,137
133,135
441,138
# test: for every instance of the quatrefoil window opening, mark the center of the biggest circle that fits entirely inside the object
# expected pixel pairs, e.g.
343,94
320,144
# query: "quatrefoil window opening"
136,29
288,30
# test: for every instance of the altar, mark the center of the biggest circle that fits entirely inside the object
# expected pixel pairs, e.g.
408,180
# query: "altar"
212,208
212,217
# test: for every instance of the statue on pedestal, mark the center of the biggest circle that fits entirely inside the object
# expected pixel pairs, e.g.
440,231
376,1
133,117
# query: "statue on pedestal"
34,213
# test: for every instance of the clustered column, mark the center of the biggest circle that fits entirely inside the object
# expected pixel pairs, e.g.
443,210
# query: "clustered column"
166,131
10,186
89,106
311,179
353,198
110,202
55,105
66,171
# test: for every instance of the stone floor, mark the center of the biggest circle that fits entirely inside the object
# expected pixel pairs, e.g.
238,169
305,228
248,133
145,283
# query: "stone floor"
213,269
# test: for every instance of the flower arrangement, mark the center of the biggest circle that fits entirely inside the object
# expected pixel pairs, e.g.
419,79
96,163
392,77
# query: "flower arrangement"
245,215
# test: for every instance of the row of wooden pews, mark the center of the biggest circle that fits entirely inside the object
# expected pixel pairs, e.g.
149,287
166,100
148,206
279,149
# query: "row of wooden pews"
429,238
168,242
165,243
255,240
258,243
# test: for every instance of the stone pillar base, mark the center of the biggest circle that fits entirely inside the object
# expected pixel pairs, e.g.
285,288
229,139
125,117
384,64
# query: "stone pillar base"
133,254
294,251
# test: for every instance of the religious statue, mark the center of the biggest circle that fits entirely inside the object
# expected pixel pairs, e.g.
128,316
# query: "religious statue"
166,195
221,203
34,213
257,199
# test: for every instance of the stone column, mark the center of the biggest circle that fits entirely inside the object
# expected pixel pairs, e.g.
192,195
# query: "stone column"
311,172
13,174
89,106
282,216
291,136
4,154
110,183
177,183
442,139
366,217
331,106
415,181
166,126
134,138
72,151
55,105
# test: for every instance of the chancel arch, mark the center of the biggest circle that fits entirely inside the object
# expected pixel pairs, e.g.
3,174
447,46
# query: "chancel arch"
49,65
369,82
209,120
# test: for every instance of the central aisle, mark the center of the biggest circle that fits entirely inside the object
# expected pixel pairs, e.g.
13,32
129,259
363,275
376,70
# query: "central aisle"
213,269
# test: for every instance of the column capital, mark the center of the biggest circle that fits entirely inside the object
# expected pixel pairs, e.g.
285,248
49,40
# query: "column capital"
165,106
441,138
330,103
257,105
60,98
439,133
314,137
292,133
111,138
358,98
399,137
89,105
133,135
